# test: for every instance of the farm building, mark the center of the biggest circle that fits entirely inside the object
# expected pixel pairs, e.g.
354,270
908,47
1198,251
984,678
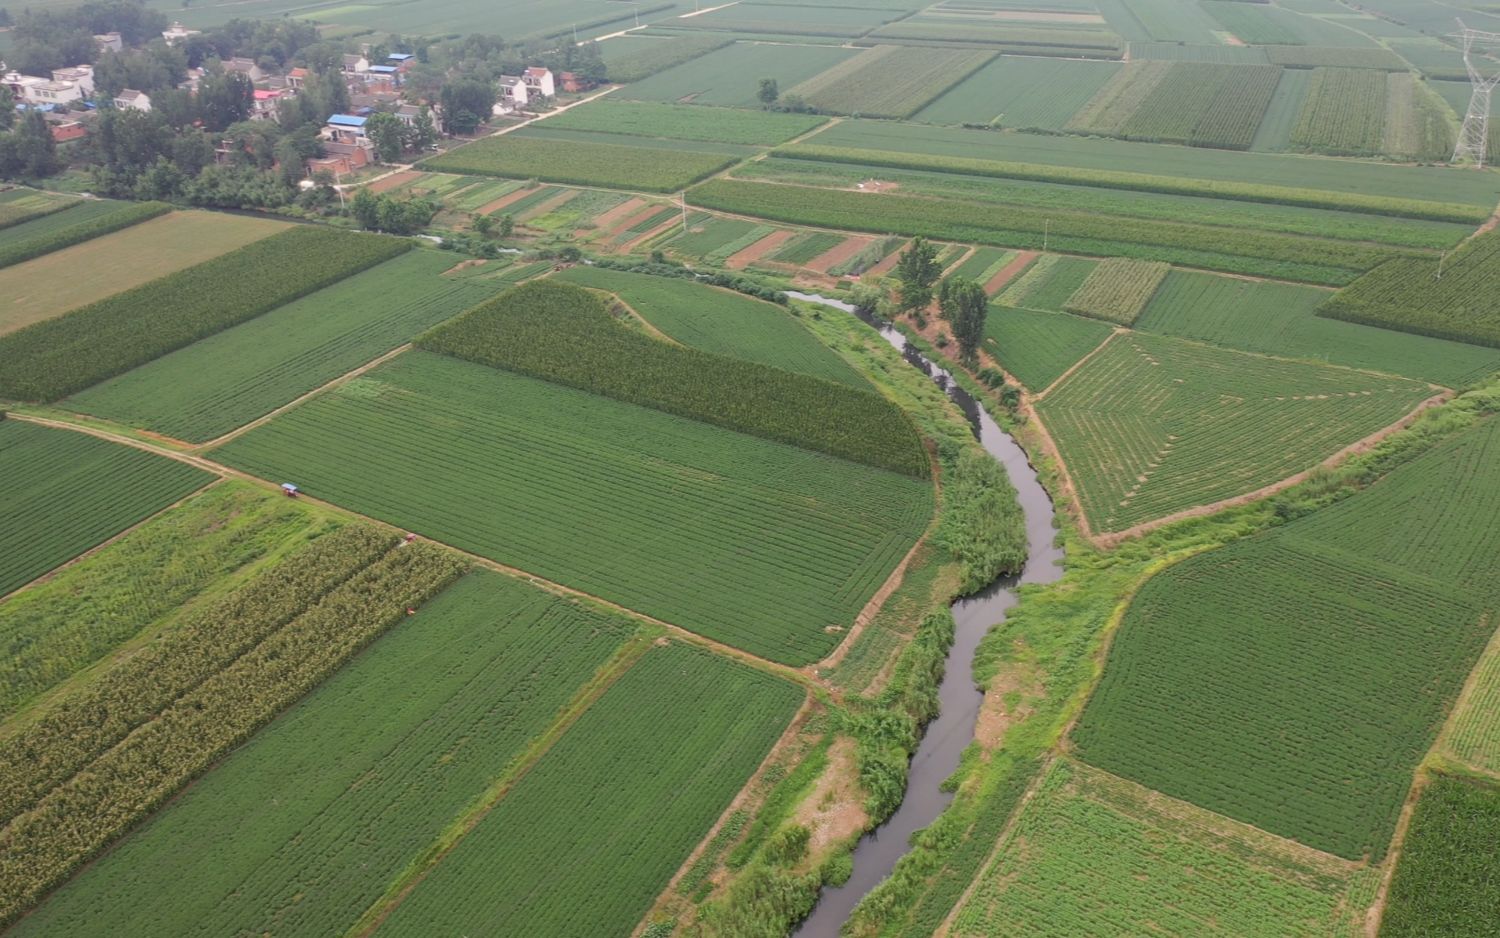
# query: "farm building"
132,100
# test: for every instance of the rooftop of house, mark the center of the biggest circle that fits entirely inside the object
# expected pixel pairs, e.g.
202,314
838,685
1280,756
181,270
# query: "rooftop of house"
400,56
536,72
298,73
384,69
346,120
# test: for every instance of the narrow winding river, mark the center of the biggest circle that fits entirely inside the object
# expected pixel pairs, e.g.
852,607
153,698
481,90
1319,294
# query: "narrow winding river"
946,736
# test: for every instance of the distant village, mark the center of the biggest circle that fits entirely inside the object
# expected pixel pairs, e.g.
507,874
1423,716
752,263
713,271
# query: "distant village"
68,100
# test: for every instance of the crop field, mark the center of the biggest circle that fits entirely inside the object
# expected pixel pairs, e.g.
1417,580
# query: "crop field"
1344,114
731,75
541,131
562,855
1335,57
1416,122
1112,107
1275,132
519,19
798,20
862,85
619,165
1179,52
1035,347
1281,319
55,232
721,322
1096,855
1473,732
710,234
64,280
66,492
1161,20
58,357
632,58
1021,91
1076,41
1152,425
1255,24
126,742
22,205
84,611
1405,191
1049,283
1199,104
567,335
983,264
749,542
1383,602
461,689
531,200
227,380
1447,881
683,122
1117,290
805,247
62,213
1307,259
1449,299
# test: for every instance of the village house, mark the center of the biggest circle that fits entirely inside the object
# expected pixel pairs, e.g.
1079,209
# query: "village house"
539,81
80,75
132,100
70,130
345,128
246,67
263,107
297,78
109,42
342,158
402,60
177,33
572,82
408,114
355,64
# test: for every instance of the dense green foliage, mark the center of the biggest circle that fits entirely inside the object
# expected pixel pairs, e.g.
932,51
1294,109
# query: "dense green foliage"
1138,181
1449,299
1281,319
981,524
229,379
1117,290
756,544
1036,347
1091,855
1150,425
622,165
685,122
563,855
565,334
1344,114
866,84
1217,248
85,225
220,677
1368,627
461,689
1446,881
66,492
60,626
721,322
60,356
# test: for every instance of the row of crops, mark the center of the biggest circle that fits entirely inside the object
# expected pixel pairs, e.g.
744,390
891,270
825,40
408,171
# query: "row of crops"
96,761
1117,290
23,205
1182,102
1037,347
66,492
1337,677
57,357
767,547
1153,425
620,165
565,334
1230,250
1344,113
686,122
57,231
631,59
1446,882
866,84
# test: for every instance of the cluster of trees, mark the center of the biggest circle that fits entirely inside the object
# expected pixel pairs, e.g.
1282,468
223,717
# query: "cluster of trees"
26,145
393,216
49,38
393,136
961,302
770,97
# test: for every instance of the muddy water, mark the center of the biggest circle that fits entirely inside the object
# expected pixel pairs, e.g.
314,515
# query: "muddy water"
946,736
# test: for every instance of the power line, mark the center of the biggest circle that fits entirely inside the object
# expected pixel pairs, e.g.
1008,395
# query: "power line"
1473,138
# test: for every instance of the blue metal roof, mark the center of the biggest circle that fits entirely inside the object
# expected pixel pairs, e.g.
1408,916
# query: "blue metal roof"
399,56
346,120
384,69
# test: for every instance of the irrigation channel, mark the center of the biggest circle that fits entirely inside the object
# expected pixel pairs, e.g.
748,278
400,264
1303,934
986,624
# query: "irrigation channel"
950,732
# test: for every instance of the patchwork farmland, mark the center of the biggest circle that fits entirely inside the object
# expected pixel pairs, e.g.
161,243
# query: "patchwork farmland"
453,484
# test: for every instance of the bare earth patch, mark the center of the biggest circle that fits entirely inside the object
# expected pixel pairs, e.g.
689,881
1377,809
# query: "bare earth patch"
838,254
876,185
887,264
492,207
394,181
834,810
767,245
1008,273
997,714
649,235
624,210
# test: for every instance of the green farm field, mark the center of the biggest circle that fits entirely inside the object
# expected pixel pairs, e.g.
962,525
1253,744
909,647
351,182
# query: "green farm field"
75,226
1117,290
731,75
683,122
563,855
1049,282
632,58
67,492
1037,347
1473,733
462,688
49,286
1095,855
227,380
131,587
618,164
861,85
753,543
1381,605
1281,319
1151,426
1020,91
1447,880
18,206
841,20
721,322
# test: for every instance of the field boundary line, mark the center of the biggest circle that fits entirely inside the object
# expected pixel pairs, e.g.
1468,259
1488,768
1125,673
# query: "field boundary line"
1106,540
793,730
1439,745
1376,911
1118,330
50,574
626,657
264,419
708,10
191,459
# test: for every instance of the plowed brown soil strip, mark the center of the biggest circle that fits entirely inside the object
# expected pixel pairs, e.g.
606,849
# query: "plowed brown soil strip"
839,254
767,245
394,181
623,225
1008,272
504,200
886,265
664,226
548,206
614,215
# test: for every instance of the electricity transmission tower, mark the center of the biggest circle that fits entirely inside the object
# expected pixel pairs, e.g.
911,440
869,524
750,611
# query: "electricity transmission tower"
1473,139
